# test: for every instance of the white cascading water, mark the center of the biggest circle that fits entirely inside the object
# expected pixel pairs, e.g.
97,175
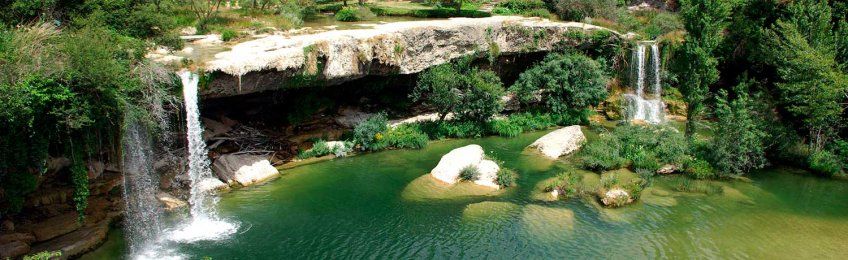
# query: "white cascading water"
638,105
143,216
204,223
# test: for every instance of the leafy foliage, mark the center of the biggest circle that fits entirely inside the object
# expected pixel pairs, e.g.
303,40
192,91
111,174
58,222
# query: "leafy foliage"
469,173
704,21
369,133
641,147
470,93
506,177
738,145
562,84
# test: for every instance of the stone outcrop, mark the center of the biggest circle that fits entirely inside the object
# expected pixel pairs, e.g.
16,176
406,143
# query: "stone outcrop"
75,243
616,197
243,169
336,56
560,142
170,202
453,162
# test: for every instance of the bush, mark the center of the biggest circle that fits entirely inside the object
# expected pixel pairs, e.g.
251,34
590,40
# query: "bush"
568,184
369,133
825,162
577,10
645,147
353,14
505,128
471,94
452,129
407,136
507,177
228,34
566,83
469,173
320,148
739,142
700,169
602,155
522,7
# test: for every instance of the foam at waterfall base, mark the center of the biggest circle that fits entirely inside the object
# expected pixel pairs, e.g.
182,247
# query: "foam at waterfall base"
648,110
202,228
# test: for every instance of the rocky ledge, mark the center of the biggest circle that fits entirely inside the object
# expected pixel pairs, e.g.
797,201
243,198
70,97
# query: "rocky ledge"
333,57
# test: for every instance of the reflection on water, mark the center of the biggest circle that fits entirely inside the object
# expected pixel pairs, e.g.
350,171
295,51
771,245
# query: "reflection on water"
356,208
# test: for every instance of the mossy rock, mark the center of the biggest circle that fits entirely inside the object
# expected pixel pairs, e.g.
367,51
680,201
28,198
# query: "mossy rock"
489,211
658,197
548,223
428,188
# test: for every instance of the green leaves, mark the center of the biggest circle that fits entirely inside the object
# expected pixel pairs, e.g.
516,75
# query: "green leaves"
562,83
471,94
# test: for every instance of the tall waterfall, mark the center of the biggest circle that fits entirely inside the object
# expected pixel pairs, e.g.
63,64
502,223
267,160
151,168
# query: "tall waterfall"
142,221
640,105
204,223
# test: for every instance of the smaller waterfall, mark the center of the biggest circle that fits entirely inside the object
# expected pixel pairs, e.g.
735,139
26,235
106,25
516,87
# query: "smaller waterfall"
639,105
143,215
204,223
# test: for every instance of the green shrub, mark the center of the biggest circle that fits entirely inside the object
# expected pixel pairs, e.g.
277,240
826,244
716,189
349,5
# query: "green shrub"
502,11
507,177
406,136
825,162
700,169
538,12
228,34
353,14
567,183
469,173
645,160
452,129
739,142
505,128
469,93
44,255
321,148
602,155
368,134
577,10
567,83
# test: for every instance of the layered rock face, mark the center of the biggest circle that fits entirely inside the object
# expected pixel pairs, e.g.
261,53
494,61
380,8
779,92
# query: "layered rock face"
560,142
333,57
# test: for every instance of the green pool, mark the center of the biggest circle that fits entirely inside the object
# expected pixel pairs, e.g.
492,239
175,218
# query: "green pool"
379,206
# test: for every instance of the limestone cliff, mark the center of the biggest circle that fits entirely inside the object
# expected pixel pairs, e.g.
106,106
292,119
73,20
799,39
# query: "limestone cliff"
332,57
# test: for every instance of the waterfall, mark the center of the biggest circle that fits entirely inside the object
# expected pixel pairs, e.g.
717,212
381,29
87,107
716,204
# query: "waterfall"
204,223
638,105
142,221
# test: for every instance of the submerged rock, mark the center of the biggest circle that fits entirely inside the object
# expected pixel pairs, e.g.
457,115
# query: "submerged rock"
547,222
560,142
427,188
243,169
489,211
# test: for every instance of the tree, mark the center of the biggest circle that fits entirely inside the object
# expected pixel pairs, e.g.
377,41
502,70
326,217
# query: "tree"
739,144
562,83
704,21
470,93
811,86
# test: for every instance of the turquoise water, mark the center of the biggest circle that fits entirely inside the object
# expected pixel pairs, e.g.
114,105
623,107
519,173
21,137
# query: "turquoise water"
382,205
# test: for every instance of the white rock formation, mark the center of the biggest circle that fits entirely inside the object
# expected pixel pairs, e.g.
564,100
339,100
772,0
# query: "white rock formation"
243,169
560,142
400,47
457,159
616,194
170,202
211,185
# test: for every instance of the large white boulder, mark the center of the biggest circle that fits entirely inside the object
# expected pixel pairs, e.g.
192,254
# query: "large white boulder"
453,162
488,170
243,169
561,142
